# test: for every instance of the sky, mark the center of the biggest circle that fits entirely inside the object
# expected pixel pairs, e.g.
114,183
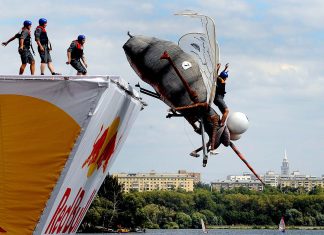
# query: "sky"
276,77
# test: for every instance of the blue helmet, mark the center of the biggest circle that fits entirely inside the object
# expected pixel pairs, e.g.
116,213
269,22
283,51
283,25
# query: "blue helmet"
224,75
42,21
81,37
27,23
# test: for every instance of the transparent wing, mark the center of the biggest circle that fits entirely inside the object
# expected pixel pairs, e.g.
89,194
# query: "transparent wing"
197,45
204,48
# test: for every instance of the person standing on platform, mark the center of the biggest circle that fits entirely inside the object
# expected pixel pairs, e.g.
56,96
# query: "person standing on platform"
24,47
75,55
44,47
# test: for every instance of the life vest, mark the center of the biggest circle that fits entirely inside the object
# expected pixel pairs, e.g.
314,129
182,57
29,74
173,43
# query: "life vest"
19,33
78,45
42,28
77,52
27,40
220,89
42,36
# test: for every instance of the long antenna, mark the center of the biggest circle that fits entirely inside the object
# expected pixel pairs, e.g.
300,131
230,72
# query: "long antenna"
240,155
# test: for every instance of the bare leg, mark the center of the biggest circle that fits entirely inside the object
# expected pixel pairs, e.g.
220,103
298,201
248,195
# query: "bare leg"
51,67
214,120
196,151
22,69
32,68
42,68
224,117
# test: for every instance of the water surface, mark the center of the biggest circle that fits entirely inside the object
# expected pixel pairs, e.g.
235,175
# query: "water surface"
225,232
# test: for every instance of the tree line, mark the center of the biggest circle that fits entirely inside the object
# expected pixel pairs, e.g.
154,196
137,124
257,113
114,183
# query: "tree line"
179,209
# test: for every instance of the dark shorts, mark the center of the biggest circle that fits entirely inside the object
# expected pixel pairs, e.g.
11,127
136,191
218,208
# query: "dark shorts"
45,55
78,66
26,56
220,103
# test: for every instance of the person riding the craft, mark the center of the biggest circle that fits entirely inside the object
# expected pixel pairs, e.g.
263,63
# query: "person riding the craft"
220,94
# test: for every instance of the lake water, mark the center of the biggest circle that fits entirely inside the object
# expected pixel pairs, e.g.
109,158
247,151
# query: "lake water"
228,232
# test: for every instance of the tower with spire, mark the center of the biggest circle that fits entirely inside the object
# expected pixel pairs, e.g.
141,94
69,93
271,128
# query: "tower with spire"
285,166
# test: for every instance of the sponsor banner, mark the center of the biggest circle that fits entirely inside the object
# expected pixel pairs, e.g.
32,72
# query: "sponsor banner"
58,140
40,122
75,97
91,160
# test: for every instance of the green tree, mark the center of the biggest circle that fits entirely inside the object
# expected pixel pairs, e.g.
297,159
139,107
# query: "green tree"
183,220
175,200
309,220
152,213
172,209
171,225
201,185
196,219
317,190
156,214
92,217
203,200
111,190
131,208
319,219
211,219
270,190
294,217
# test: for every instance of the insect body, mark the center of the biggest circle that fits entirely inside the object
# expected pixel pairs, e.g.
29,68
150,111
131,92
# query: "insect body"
176,79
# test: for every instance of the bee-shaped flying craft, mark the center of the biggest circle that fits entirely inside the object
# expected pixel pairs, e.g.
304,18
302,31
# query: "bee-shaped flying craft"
183,77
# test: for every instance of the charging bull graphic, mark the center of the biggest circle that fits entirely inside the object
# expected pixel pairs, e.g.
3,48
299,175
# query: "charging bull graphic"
103,148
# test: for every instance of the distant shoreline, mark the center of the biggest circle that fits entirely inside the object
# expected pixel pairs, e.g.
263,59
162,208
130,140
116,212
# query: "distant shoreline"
265,227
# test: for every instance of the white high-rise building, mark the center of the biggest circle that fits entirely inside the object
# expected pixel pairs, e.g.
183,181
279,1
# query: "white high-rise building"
245,176
271,178
285,166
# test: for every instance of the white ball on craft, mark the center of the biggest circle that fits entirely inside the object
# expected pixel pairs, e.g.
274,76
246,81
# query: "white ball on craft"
237,123
235,136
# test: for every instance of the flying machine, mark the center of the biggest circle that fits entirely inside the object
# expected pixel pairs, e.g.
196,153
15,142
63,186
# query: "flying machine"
183,77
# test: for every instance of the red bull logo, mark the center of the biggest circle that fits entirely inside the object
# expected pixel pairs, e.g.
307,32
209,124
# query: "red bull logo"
67,217
103,148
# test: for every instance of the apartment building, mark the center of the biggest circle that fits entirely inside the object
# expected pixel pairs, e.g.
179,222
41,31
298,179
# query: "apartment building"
229,184
155,181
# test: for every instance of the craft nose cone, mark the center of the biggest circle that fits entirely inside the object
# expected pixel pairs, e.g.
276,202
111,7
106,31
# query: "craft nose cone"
128,49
